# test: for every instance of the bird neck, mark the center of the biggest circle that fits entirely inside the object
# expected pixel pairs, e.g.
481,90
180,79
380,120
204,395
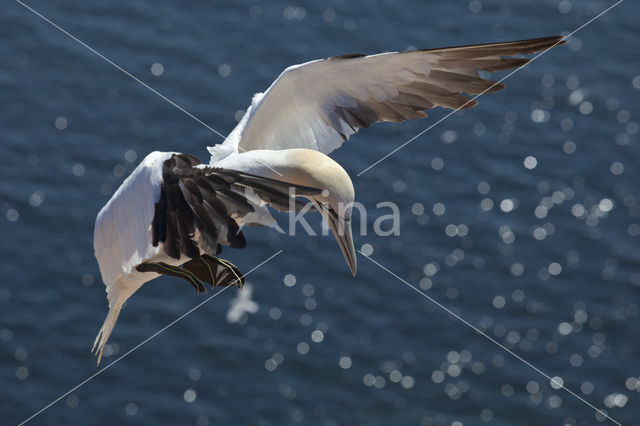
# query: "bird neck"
298,166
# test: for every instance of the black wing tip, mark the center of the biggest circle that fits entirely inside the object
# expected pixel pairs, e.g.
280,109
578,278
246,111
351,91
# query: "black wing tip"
496,87
197,198
541,43
191,159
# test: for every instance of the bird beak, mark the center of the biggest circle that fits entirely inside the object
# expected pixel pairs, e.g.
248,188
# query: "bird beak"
341,228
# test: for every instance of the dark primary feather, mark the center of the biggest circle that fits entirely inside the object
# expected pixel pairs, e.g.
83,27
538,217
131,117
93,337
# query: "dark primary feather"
197,206
526,46
452,77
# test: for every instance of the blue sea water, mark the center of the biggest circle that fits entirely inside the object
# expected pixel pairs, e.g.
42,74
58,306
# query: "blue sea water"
521,216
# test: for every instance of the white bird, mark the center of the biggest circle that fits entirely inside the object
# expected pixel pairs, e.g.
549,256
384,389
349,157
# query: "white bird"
172,214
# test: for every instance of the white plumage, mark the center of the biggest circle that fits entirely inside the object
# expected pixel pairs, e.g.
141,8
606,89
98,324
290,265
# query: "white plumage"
122,238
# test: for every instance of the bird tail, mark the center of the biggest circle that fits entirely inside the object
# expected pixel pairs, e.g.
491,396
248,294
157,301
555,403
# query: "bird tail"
105,330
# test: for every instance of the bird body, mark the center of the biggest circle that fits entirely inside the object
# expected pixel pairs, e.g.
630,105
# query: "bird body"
172,215
172,209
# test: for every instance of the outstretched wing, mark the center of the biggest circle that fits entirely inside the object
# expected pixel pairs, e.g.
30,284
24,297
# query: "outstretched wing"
320,104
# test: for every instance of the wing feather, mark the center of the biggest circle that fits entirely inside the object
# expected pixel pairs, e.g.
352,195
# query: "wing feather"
320,104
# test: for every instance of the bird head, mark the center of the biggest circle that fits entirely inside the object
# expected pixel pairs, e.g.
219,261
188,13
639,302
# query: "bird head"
335,203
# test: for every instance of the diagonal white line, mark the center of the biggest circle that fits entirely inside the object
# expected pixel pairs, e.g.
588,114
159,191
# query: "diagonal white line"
138,80
486,90
123,70
88,379
480,332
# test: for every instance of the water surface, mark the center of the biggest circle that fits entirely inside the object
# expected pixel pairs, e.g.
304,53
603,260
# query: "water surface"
520,215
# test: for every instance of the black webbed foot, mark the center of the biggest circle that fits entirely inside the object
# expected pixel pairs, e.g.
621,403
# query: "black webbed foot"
208,269
215,271
173,271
